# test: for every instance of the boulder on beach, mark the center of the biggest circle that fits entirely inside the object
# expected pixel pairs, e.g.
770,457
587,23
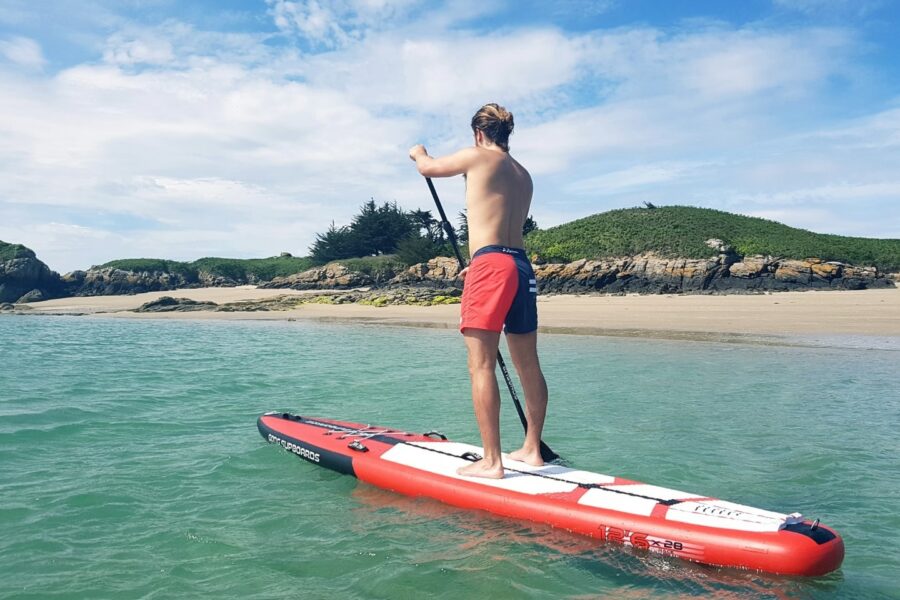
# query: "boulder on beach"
170,304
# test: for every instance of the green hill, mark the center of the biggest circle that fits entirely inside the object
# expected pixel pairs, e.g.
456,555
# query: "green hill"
681,231
237,269
10,251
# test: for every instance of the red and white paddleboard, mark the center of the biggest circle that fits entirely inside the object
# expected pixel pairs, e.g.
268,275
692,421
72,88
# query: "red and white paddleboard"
656,519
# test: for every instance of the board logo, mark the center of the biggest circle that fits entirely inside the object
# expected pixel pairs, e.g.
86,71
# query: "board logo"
296,449
642,541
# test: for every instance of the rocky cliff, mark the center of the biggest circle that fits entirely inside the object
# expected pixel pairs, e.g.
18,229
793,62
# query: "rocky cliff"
644,274
24,278
725,273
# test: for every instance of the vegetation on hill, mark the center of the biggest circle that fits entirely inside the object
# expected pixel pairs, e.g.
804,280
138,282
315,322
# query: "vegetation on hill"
379,268
682,231
10,251
232,268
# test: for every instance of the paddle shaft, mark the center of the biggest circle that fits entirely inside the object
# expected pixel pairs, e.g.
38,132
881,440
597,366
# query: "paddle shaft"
546,453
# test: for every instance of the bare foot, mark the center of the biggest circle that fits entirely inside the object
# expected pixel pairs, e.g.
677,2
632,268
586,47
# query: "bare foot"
531,457
480,468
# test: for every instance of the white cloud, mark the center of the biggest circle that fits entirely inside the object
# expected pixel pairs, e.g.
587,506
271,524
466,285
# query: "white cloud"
831,7
124,50
333,23
182,143
615,182
834,193
23,52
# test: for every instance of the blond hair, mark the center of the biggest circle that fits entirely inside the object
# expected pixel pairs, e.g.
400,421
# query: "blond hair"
495,122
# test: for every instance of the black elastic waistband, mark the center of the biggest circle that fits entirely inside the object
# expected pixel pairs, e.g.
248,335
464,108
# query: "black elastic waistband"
519,252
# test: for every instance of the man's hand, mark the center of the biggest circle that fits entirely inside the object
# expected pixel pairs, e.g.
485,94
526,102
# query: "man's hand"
462,274
417,151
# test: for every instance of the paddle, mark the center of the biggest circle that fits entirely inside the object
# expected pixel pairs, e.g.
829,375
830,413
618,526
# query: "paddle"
546,453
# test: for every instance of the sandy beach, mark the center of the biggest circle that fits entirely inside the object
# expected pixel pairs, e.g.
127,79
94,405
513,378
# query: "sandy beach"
866,312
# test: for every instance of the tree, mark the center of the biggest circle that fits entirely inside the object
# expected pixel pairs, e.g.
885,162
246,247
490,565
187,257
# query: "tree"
375,230
427,224
462,231
334,244
378,229
529,226
417,249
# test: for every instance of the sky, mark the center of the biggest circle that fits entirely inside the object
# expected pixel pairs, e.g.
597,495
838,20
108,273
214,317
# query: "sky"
181,129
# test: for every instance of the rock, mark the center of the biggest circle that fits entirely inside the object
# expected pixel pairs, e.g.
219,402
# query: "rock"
718,246
111,281
725,273
32,296
750,266
826,270
7,307
794,271
331,276
170,304
440,270
24,274
207,279
285,255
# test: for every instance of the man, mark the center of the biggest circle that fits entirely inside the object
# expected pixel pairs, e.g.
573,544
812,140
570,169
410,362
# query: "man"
500,288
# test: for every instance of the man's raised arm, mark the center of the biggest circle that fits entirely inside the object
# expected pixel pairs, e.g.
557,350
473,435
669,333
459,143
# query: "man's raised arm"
445,166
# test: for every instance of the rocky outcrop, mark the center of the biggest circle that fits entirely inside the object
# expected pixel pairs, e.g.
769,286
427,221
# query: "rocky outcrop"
406,296
330,277
24,278
170,304
105,281
110,281
726,273
437,272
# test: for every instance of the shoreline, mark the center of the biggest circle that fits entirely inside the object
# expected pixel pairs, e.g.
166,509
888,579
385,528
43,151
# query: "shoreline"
757,318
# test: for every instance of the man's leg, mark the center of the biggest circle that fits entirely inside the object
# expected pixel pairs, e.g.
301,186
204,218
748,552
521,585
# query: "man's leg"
523,349
482,345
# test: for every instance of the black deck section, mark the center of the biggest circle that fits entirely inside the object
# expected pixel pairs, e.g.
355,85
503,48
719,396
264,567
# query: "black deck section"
819,535
308,452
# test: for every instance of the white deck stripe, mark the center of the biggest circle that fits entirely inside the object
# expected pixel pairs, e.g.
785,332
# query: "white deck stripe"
719,513
420,455
620,502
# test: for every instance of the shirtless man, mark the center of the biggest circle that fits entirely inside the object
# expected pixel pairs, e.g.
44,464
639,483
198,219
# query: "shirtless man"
500,287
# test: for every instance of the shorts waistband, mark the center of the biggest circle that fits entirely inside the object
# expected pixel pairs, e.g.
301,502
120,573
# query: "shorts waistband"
517,252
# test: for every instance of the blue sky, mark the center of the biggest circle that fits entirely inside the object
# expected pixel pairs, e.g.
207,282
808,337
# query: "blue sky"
170,129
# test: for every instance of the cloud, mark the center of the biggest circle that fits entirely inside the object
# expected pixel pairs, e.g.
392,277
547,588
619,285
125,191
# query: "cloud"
124,50
615,182
831,7
179,142
23,51
338,22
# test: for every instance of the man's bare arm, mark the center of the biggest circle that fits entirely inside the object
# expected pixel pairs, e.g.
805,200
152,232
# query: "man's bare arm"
445,166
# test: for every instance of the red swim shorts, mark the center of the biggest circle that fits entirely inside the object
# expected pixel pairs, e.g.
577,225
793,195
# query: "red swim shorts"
499,290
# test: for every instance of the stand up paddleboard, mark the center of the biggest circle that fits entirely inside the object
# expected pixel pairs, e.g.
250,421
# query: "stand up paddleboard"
656,519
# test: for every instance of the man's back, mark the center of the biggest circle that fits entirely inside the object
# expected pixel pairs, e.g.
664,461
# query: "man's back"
498,198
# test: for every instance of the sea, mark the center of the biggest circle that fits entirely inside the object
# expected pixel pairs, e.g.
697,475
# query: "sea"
131,465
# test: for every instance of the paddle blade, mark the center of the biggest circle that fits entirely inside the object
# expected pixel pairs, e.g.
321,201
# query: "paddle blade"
547,454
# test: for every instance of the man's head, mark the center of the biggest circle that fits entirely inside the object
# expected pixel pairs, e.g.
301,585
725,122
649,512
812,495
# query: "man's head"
495,124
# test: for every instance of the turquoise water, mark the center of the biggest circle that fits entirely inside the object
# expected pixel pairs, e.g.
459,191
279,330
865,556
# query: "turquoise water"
131,467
